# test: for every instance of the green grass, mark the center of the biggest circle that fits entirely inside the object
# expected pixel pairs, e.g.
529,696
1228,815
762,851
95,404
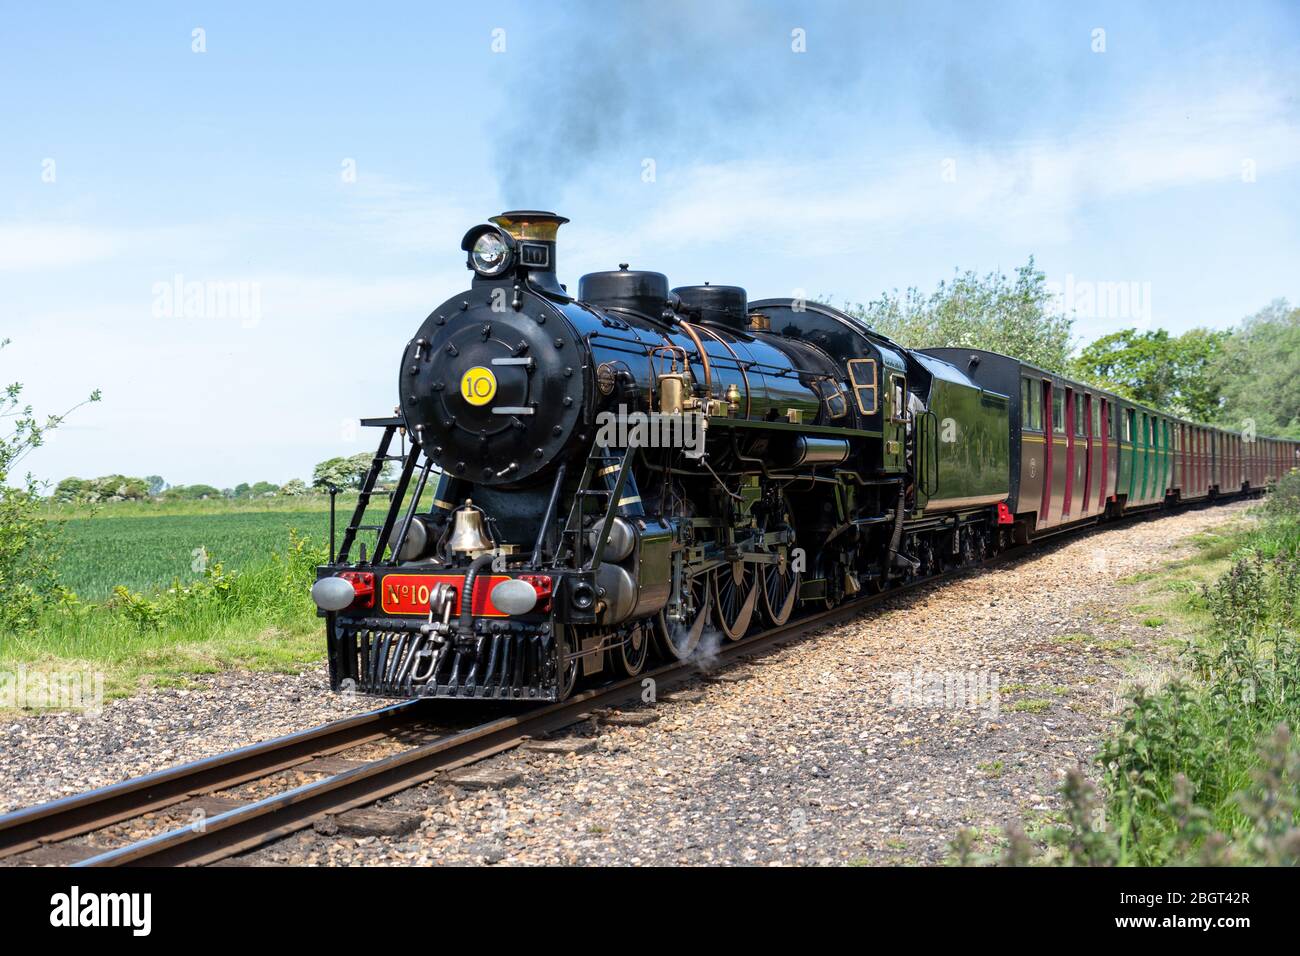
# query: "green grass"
1030,705
145,553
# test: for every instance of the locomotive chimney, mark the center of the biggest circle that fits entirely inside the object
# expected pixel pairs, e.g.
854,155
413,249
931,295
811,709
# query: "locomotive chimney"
534,232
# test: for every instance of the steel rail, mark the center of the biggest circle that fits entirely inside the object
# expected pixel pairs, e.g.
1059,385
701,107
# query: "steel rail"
44,823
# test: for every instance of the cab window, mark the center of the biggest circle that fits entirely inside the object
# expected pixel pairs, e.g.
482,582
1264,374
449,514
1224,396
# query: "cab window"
862,376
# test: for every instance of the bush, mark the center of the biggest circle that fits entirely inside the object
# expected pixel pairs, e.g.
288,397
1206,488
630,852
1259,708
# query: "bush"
190,493
1205,771
1283,503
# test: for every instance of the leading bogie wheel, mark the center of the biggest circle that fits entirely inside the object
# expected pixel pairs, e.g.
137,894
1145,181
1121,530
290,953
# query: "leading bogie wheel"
629,656
569,664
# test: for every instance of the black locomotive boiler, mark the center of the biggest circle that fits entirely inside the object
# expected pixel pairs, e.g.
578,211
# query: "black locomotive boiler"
591,480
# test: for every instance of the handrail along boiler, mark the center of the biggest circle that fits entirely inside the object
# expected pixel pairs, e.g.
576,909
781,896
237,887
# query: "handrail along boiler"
638,469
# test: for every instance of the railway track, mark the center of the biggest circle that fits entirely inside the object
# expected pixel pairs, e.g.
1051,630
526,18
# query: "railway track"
255,824
59,820
258,823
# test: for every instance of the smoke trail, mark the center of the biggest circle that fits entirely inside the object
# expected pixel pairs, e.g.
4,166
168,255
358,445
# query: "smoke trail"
671,78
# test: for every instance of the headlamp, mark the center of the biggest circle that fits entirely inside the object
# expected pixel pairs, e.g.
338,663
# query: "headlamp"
491,251
490,255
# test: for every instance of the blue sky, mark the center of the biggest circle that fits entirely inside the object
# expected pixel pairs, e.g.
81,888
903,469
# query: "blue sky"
903,142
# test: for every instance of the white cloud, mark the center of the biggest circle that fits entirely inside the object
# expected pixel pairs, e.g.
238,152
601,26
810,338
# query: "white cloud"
1029,189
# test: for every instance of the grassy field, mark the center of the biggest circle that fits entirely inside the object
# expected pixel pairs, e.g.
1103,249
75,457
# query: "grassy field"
148,552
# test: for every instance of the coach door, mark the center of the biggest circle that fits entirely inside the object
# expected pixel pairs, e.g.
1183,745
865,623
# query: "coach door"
1144,436
1090,421
1068,501
1184,478
1045,509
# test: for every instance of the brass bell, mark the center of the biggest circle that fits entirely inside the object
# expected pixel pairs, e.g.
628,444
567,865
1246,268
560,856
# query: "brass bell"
468,533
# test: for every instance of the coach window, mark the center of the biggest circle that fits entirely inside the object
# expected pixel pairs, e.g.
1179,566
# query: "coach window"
862,376
1096,416
1058,410
1128,424
1031,405
1080,420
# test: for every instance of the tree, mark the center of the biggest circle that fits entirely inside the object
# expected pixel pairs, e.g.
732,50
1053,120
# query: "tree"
264,489
72,489
294,488
1014,317
1167,372
29,551
119,488
1259,368
156,485
341,472
103,488
242,490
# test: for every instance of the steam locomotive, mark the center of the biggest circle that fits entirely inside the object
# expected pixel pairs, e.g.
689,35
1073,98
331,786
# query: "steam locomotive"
586,481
